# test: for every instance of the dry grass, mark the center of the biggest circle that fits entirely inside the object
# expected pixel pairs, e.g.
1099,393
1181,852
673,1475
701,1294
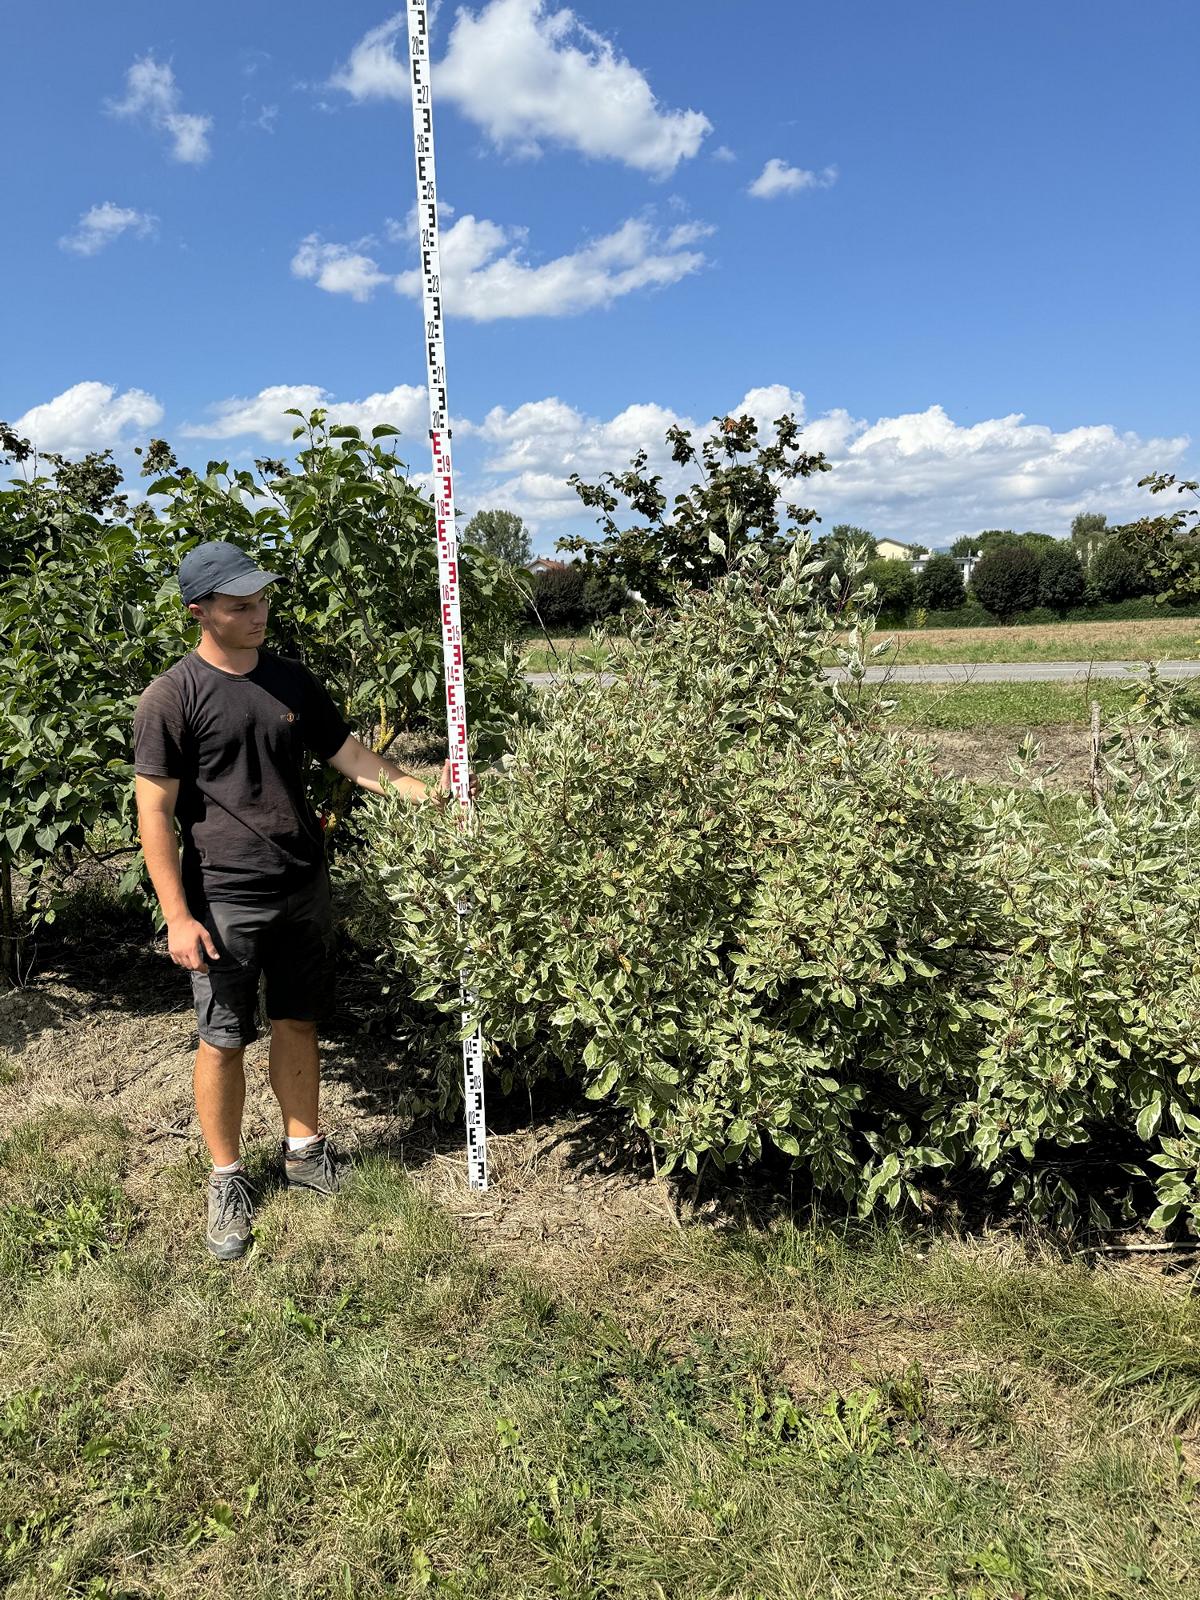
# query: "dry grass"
1159,639
1166,638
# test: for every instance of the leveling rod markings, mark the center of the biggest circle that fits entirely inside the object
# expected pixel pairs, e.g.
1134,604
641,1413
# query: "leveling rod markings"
447,539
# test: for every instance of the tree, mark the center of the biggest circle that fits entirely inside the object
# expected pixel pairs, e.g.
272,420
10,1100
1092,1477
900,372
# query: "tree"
732,503
967,544
558,597
996,539
1168,546
603,599
847,534
1088,532
940,585
1117,571
90,612
1060,581
894,585
1039,542
1006,581
502,534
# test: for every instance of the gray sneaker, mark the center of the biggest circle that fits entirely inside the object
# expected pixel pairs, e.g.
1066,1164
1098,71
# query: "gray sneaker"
230,1214
315,1167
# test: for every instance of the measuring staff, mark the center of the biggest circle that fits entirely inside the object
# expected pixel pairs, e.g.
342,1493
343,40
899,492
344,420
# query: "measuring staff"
447,539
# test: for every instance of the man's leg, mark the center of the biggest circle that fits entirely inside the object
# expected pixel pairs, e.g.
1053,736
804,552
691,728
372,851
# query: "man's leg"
298,954
220,1083
295,1071
224,997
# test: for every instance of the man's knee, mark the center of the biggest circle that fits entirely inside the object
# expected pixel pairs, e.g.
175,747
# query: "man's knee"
294,1025
221,1055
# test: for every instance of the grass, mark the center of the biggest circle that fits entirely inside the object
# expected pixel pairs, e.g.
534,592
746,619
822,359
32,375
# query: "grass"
1008,705
572,654
1161,639
367,1407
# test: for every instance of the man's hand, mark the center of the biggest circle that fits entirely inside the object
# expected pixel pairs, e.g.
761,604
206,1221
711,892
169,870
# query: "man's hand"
187,941
445,787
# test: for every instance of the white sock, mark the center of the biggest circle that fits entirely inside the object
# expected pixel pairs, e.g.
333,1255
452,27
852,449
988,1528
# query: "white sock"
234,1166
302,1143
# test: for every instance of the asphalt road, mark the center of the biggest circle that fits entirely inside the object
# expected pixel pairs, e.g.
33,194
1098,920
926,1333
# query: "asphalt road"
991,672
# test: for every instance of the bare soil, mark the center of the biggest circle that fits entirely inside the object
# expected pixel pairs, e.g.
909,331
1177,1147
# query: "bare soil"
984,755
108,1025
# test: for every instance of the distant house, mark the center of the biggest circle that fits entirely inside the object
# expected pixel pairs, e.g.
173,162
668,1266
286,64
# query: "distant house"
546,564
893,550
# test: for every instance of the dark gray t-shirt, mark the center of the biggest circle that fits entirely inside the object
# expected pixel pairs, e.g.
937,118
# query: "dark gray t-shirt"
239,743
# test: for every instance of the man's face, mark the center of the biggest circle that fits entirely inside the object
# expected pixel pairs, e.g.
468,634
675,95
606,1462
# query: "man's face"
234,621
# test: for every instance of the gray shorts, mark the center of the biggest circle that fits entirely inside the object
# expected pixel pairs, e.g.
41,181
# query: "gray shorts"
289,939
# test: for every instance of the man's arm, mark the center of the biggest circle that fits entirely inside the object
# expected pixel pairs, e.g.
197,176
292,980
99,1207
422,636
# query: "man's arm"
365,768
187,939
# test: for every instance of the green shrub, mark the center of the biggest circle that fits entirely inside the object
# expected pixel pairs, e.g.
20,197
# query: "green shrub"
557,598
940,586
1093,1008
1006,580
604,599
733,900
895,586
1117,572
1060,581
714,890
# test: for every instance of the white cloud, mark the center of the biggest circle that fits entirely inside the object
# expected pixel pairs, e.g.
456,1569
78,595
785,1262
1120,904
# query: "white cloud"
534,448
486,275
262,415
925,473
337,268
89,416
778,178
723,153
102,224
915,476
373,71
265,119
688,233
152,93
919,475
530,75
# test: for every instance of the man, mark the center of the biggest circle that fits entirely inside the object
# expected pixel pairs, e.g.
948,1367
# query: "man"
221,742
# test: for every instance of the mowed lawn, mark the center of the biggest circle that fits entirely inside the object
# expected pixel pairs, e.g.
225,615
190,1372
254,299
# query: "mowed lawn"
370,1405
964,706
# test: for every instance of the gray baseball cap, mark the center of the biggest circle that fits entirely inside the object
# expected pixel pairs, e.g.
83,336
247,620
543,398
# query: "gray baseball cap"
220,568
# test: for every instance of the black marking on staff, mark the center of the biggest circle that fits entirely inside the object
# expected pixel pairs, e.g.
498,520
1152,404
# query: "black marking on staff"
447,543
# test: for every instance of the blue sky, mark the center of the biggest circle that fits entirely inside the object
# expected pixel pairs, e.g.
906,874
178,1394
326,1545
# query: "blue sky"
959,237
